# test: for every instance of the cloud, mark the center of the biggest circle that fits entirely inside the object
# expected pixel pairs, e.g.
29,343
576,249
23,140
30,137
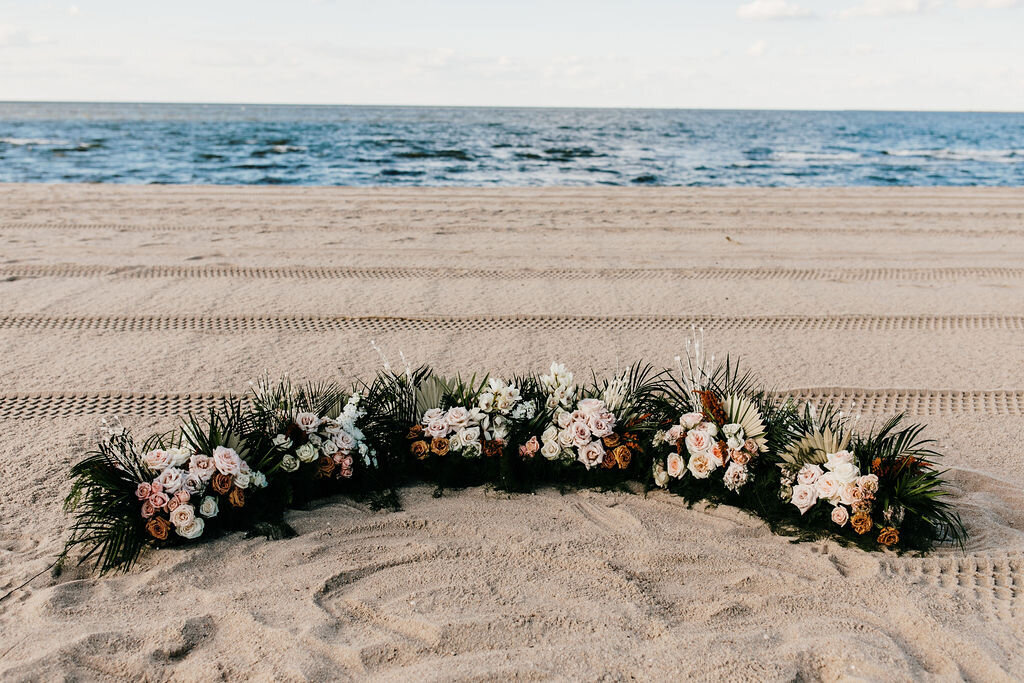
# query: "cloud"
757,49
888,8
988,4
773,9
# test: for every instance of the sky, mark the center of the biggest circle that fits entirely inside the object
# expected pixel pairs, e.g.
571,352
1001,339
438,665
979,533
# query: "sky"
752,54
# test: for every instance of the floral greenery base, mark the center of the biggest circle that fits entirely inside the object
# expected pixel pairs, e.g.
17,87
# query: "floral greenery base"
705,432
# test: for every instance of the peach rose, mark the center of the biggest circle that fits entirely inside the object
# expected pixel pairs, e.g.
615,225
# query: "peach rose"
804,497
849,493
750,446
157,459
691,420
739,457
828,486
147,509
720,454
699,441
143,491
701,464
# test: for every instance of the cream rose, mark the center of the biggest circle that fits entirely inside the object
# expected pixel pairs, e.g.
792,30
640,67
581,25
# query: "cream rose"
172,479
306,453
157,460
209,507
676,466
674,433
827,486
183,515
833,460
809,474
701,465
849,493
600,426
178,456
708,427
590,406
192,530
289,463
550,434
282,441
202,466
330,447
840,515
457,417
551,450
469,435
562,419
804,497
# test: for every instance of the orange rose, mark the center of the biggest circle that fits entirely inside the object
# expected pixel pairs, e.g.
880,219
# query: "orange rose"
611,441
159,528
889,536
861,523
419,449
415,432
236,497
221,483
623,456
325,466
439,446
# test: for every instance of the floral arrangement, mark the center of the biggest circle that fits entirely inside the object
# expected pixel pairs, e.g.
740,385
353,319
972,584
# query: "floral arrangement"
704,431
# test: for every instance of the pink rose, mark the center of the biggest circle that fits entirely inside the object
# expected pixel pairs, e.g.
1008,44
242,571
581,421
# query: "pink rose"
599,426
183,496
676,466
346,472
592,454
227,461
590,406
173,504
156,487
457,417
159,500
344,441
532,446
840,515
834,460
143,491
437,429
346,461
338,457
809,474
147,510
432,415
171,479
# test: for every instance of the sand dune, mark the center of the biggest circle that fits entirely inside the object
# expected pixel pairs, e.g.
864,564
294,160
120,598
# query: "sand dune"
148,301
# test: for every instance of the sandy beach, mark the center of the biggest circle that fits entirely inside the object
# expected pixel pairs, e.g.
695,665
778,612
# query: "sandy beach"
146,301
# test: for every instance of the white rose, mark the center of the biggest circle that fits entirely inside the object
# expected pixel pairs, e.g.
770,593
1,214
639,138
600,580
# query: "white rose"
315,440
437,428
833,460
562,419
307,422
701,465
289,463
305,453
691,420
226,460
183,515
469,435
282,442
432,415
565,438
178,456
846,472
699,441
590,406
676,466
242,480
804,497
209,507
330,447
192,530
592,454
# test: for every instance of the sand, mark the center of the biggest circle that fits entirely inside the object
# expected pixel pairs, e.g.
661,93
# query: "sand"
144,301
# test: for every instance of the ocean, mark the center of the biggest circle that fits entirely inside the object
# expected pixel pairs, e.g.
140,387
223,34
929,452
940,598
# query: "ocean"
341,145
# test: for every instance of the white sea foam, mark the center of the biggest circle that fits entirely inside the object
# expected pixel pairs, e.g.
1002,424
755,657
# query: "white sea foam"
33,141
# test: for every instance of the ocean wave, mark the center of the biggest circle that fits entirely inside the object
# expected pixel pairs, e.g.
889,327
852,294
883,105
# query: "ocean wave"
999,156
22,142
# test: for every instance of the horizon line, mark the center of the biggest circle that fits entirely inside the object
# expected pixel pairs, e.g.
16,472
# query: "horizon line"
507,106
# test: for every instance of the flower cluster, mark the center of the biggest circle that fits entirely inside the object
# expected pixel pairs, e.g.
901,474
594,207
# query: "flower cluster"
174,498
471,432
841,485
331,444
588,434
